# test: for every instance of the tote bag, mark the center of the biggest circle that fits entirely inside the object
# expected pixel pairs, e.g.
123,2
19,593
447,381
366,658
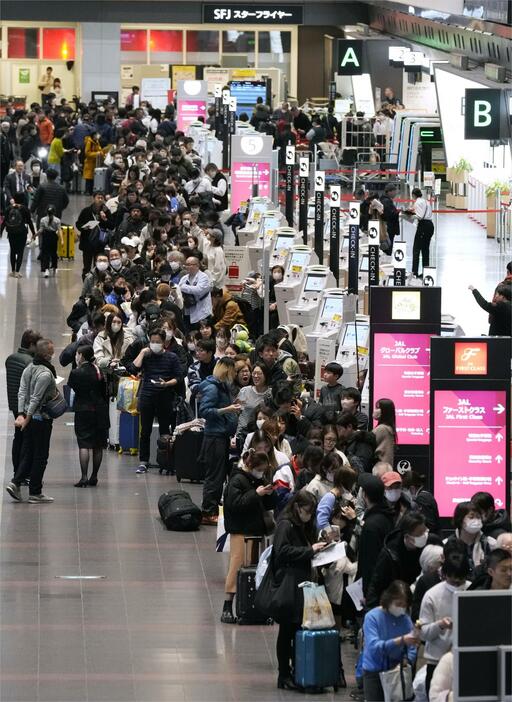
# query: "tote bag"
317,613
397,683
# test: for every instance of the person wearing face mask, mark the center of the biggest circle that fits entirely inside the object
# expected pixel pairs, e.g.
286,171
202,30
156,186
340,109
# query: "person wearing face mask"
396,499
37,386
110,345
495,521
399,559
95,211
160,373
93,152
251,397
436,611
467,520
91,280
322,483
91,414
389,637
247,496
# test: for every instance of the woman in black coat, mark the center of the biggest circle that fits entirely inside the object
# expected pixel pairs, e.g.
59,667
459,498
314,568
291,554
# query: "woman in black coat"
91,413
292,553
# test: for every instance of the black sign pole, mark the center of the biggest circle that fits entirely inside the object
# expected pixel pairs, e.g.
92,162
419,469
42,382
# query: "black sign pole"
399,271
353,247
225,129
334,231
218,111
303,197
373,251
289,184
319,215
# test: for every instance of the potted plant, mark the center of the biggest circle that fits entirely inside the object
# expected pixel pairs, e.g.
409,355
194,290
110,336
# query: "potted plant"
457,176
494,193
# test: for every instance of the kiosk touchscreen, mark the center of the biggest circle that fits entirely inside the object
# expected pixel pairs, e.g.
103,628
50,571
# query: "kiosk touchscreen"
271,221
335,306
353,340
299,258
257,208
284,239
304,309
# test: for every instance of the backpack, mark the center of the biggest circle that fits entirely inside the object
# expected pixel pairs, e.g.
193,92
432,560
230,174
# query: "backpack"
15,218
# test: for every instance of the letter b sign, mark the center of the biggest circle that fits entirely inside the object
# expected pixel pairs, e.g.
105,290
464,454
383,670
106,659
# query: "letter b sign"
482,115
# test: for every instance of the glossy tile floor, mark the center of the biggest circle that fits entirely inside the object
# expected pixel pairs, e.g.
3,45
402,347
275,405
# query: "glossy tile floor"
149,629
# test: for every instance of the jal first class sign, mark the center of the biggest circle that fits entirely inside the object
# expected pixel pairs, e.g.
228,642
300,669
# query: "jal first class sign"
214,13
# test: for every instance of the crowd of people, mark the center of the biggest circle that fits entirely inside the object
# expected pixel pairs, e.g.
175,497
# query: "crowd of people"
154,305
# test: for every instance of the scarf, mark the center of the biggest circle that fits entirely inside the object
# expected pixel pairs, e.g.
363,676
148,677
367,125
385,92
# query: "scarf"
39,361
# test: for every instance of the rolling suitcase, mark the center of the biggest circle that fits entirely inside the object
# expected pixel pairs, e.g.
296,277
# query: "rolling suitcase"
100,178
318,659
164,454
185,456
178,512
115,417
246,612
67,248
129,433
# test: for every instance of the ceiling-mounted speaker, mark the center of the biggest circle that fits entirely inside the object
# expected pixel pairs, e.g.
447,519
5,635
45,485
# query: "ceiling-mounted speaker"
69,65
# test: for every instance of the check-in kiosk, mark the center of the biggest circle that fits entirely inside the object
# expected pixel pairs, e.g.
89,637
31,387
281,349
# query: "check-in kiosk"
271,220
335,306
300,257
353,349
284,239
303,310
257,208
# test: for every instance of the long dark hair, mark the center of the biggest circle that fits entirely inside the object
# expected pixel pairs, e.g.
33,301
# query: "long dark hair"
387,414
306,500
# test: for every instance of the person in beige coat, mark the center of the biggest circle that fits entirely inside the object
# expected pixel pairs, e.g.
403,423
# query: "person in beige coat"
385,431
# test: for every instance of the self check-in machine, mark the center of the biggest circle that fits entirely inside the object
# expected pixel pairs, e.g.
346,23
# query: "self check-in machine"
257,208
303,310
284,239
353,349
334,307
299,258
271,220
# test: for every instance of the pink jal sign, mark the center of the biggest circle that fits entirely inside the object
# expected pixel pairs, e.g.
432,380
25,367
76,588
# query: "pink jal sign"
243,175
189,111
401,370
469,446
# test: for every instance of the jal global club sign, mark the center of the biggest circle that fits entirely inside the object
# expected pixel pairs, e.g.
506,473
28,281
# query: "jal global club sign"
219,13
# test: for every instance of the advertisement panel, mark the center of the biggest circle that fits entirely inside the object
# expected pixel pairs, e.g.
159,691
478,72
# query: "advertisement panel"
401,363
469,446
243,176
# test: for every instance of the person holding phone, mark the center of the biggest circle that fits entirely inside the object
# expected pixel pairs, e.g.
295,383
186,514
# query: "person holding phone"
160,372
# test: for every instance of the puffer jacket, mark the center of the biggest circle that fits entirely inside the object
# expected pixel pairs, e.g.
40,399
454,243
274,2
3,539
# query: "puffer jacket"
103,347
214,395
15,364
243,507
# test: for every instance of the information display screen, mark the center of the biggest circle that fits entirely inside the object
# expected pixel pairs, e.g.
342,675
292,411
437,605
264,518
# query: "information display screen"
401,365
469,446
363,264
332,309
246,93
314,283
256,210
283,243
270,224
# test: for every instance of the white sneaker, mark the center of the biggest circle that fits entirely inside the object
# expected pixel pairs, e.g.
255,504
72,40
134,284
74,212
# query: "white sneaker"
46,274
39,499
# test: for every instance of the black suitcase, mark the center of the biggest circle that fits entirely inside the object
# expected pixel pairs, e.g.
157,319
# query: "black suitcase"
164,454
185,456
178,512
246,612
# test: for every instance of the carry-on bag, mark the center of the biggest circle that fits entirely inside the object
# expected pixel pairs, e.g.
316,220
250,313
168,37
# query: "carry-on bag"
178,512
185,456
318,659
246,611
66,245
100,178
129,430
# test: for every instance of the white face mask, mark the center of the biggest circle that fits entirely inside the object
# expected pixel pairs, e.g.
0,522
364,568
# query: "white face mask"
420,541
330,476
393,495
116,327
455,588
36,170
396,611
472,526
276,277
168,335
156,347
191,347
116,263
260,423
175,266
101,266
258,474
186,223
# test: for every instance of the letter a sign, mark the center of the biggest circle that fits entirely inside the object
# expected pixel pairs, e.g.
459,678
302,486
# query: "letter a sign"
350,57
482,113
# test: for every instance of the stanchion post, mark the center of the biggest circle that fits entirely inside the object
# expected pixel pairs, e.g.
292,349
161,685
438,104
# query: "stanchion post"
303,197
319,215
289,185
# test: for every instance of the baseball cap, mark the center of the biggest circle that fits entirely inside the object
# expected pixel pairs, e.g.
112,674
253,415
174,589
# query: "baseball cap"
390,478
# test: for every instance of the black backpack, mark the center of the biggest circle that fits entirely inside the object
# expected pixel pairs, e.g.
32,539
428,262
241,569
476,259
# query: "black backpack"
178,512
15,218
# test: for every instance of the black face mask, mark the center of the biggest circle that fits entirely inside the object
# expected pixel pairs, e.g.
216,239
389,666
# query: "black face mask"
107,288
119,291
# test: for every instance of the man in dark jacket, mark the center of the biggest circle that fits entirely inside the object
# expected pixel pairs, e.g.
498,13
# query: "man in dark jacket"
358,446
499,309
95,211
203,366
378,522
49,193
495,521
17,182
15,364
267,352
391,213
422,500
400,557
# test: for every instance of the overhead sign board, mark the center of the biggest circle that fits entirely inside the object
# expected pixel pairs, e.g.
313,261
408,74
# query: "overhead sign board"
214,13
350,57
482,115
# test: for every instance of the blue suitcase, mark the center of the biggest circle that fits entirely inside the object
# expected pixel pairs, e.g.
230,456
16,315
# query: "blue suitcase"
129,433
318,659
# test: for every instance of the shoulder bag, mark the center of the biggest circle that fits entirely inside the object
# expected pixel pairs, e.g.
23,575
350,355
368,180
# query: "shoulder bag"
55,407
397,682
277,600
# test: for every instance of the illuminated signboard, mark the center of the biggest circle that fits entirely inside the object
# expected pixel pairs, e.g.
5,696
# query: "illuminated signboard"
470,358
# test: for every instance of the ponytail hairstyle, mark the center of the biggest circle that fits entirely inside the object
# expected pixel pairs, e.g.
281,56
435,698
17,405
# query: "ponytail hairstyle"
254,460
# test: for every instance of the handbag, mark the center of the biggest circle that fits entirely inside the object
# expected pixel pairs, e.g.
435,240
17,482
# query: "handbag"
127,394
317,613
277,600
397,682
55,407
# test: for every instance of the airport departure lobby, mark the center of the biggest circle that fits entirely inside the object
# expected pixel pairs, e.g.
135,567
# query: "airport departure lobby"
256,314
